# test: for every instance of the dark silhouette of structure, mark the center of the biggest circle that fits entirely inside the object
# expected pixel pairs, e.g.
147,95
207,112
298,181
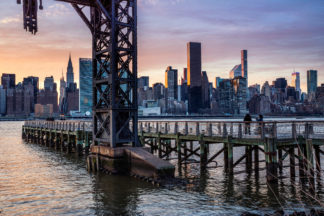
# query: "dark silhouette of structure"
113,25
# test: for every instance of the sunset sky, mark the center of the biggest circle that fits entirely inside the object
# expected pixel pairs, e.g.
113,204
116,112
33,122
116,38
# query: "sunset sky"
280,36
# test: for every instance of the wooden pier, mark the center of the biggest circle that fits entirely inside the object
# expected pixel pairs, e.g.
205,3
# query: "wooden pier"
279,141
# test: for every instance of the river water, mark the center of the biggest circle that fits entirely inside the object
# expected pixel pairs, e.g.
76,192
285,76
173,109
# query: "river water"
35,180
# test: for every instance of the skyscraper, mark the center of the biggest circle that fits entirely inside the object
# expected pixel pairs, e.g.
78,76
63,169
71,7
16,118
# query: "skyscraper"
205,90
70,73
171,83
85,85
8,81
62,94
311,81
194,64
295,81
49,83
143,82
34,81
194,76
3,101
244,64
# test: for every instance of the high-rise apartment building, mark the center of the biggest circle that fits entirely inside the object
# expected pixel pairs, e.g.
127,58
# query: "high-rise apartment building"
194,76
171,83
158,91
85,85
8,81
311,81
49,83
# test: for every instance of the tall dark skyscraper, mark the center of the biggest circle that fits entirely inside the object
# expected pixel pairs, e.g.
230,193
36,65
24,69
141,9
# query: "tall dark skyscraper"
70,73
244,63
8,81
205,90
311,81
171,83
194,76
194,64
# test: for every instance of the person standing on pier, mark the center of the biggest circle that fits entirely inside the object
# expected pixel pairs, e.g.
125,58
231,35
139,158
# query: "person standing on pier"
247,120
260,120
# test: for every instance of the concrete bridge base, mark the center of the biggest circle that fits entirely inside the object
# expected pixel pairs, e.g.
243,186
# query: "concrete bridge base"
129,160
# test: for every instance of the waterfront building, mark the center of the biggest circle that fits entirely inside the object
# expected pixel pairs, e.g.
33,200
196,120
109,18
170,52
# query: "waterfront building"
11,101
259,104
3,101
266,90
43,110
8,81
311,81
171,83
194,76
85,67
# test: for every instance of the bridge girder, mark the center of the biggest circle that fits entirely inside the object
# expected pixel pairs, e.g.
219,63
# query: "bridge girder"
113,24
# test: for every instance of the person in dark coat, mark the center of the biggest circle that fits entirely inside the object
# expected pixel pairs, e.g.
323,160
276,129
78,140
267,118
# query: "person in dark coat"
247,120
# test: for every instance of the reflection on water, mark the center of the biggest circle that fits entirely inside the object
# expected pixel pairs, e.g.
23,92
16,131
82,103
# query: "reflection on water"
35,180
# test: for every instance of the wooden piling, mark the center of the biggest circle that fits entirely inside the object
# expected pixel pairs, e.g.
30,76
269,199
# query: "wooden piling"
203,151
256,160
271,160
310,159
292,162
178,144
230,155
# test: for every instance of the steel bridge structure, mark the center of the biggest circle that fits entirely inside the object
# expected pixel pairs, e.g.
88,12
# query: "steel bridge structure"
113,25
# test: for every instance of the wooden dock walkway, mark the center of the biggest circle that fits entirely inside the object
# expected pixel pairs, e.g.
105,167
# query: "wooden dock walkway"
279,141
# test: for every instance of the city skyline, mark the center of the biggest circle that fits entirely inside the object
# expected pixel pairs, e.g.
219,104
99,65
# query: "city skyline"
285,38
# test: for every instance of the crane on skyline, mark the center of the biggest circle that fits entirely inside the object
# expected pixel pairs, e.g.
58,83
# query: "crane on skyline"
113,25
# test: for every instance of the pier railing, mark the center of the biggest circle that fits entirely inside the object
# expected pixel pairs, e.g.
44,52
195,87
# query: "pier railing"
235,129
61,125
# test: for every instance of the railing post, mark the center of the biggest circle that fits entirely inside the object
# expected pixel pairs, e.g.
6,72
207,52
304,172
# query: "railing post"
149,127
176,128
203,152
231,129
157,127
186,128
210,129
224,130
294,131
166,127
240,132
197,129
